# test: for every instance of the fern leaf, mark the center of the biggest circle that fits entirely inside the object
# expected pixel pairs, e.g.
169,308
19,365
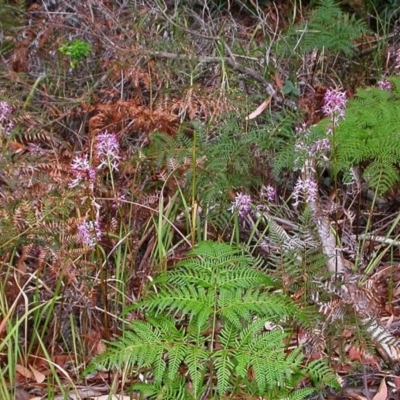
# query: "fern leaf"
225,368
213,324
328,28
300,394
236,306
196,359
248,333
174,390
176,354
369,138
182,301
319,371
142,346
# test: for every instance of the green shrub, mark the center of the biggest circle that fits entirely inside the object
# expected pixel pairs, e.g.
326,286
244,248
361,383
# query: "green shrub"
77,50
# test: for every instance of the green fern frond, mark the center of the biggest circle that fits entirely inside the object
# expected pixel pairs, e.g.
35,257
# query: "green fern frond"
227,273
173,390
223,162
328,28
190,300
225,368
196,362
319,370
270,372
369,136
208,314
164,147
143,346
382,175
237,307
299,394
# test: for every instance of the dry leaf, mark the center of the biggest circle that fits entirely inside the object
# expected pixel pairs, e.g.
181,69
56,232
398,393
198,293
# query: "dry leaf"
278,81
3,324
259,109
354,395
347,333
389,321
396,380
355,354
23,371
382,391
39,377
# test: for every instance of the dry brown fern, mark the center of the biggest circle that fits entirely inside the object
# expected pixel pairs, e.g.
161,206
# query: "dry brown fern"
128,117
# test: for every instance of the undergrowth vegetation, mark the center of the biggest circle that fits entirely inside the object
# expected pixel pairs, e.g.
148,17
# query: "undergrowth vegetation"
198,201
206,320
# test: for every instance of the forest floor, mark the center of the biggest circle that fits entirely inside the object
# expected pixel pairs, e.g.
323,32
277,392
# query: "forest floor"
131,131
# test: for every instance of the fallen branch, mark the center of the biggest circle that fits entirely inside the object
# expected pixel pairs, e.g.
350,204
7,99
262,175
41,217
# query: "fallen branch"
379,239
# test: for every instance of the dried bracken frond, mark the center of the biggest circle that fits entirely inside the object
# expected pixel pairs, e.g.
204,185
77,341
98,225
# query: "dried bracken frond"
129,118
197,103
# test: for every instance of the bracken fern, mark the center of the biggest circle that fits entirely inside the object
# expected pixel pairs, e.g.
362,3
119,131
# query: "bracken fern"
328,29
205,320
368,138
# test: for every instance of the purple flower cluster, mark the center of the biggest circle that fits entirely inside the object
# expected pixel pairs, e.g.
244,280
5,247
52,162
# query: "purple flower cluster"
305,190
5,110
310,155
89,233
82,171
335,102
302,130
242,205
107,150
300,147
6,125
384,84
320,146
268,193
316,151
106,155
36,149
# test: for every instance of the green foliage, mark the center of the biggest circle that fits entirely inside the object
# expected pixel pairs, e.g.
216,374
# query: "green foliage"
369,137
289,88
221,161
10,16
206,317
388,10
328,29
77,50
